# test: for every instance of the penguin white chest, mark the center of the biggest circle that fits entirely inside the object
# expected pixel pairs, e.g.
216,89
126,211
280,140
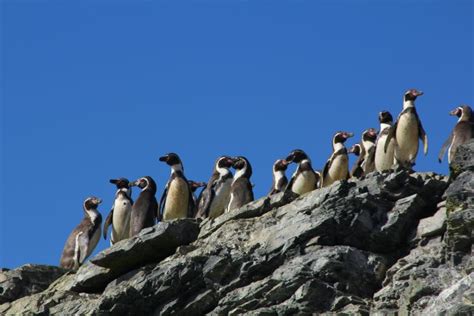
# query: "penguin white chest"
221,199
177,200
339,168
304,182
407,137
121,219
383,160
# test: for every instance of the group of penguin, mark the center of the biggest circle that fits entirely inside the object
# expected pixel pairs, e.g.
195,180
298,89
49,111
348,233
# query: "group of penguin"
394,146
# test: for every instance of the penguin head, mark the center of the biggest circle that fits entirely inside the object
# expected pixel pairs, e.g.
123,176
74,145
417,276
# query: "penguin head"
224,162
144,183
296,156
196,185
355,149
369,135
121,183
385,117
280,165
341,137
243,167
91,203
412,94
463,112
173,161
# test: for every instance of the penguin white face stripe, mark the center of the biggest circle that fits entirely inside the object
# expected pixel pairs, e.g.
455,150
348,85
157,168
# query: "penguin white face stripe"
240,173
338,146
147,183
177,168
222,171
383,126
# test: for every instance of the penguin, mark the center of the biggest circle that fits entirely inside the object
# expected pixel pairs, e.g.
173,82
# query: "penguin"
194,186
384,158
177,199
304,179
119,216
84,238
358,151
280,181
145,208
337,166
216,196
407,130
369,137
241,191
462,132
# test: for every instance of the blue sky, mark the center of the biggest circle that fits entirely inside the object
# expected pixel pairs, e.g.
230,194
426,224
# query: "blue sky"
93,90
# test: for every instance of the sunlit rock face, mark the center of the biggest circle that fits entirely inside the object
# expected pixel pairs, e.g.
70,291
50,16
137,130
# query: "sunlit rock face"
393,242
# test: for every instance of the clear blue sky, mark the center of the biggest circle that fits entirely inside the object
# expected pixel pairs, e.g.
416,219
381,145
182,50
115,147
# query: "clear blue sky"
93,90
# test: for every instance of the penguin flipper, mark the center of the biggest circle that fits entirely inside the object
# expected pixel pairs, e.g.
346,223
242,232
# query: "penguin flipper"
161,207
108,222
444,147
326,168
191,205
290,184
390,135
424,137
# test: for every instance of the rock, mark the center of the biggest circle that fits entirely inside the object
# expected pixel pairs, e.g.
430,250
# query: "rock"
26,280
458,299
152,245
379,245
434,225
463,159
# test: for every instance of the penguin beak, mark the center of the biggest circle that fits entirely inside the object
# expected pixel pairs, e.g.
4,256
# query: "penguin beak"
348,135
113,181
285,162
455,112
133,184
289,159
417,93
99,201
164,158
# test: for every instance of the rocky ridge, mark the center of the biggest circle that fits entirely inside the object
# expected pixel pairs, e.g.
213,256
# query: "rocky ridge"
390,243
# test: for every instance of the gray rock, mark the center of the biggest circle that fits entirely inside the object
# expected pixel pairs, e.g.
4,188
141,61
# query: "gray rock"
152,245
432,226
346,249
463,159
26,280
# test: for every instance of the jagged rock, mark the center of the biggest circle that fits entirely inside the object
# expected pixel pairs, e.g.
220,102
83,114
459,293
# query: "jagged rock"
350,248
153,244
26,280
434,225
432,279
463,159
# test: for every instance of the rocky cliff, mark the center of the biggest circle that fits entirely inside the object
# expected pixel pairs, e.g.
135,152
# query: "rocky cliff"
395,242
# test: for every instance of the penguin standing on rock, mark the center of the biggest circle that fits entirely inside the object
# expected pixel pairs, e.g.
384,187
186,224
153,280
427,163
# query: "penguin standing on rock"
337,166
462,132
369,136
145,208
241,191
119,216
384,158
304,179
216,196
280,181
407,130
84,238
194,186
358,151
177,199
